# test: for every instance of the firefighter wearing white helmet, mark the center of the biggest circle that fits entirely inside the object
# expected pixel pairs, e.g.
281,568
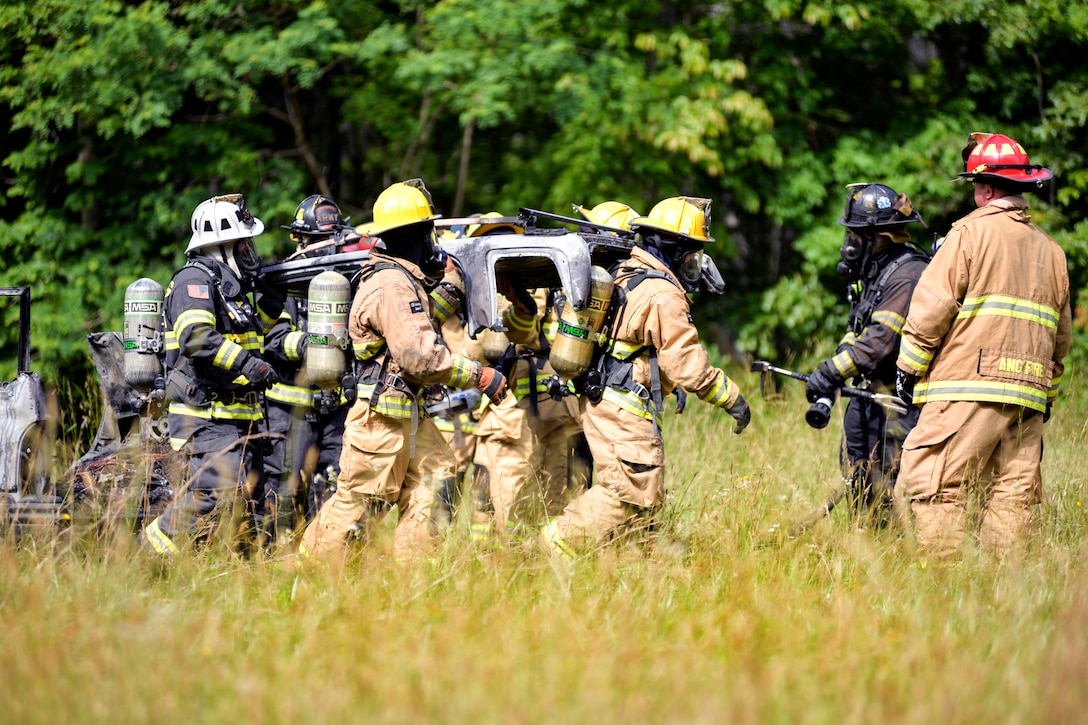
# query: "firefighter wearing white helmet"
983,355
305,420
216,373
393,454
652,346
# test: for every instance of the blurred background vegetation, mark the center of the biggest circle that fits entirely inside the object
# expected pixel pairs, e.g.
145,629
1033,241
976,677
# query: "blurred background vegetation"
121,116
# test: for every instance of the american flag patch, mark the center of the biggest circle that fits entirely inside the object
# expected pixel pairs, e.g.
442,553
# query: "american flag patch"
198,291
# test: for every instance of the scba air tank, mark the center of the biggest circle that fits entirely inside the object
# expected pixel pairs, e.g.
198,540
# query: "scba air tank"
325,359
142,336
576,336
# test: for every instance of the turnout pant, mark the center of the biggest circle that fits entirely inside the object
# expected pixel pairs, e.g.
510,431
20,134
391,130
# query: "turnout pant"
964,449
377,472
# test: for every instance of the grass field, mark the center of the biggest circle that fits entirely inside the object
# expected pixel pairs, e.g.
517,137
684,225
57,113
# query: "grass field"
842,624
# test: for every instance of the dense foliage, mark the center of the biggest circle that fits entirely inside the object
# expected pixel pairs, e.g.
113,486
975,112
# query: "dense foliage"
122,116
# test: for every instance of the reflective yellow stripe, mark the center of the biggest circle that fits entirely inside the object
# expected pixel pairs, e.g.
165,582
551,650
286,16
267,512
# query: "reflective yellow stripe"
227,355
517,321
292,345
629,402
479,532
556,542
158,540
389,405
916,357
981,391
463,374
443,309
719,394
367,350
248,340
521,387
1005,306
845,364
291,394
449,425
623,350
550,330
188,318
890,320
849,339
219,411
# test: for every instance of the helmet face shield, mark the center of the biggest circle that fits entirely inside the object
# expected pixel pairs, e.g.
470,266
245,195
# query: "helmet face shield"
245,254
690,269
852,250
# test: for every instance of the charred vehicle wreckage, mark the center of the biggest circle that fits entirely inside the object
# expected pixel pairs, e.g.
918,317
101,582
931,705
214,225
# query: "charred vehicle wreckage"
130,472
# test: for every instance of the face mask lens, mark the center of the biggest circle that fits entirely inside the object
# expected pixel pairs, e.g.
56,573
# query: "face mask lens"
691,269
246,256
851,249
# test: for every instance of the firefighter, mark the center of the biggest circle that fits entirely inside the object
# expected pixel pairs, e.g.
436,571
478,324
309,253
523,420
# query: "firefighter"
524,444
982,354
215,370
651,347
882,267
306,424
393,454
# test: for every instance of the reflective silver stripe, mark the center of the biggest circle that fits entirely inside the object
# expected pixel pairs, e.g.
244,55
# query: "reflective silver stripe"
981,391
845,364
890,320
628,401
158,539
556,542
219,411
719,393
1005,306
916,357
290,394
392,406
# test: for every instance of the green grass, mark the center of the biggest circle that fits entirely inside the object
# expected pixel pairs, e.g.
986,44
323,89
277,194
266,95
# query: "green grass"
842,624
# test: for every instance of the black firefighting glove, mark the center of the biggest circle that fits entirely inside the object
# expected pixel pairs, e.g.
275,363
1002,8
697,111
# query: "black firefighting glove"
904,385
823,382
519,297
741,413
259,372
681,399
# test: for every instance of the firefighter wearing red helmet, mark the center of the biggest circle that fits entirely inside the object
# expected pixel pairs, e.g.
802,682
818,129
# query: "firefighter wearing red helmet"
652,347
982,355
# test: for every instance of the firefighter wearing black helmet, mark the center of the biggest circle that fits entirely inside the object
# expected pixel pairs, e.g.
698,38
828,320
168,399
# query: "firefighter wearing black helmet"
882,266
306,425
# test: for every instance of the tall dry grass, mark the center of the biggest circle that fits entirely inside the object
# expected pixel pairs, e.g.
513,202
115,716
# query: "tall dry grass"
724,621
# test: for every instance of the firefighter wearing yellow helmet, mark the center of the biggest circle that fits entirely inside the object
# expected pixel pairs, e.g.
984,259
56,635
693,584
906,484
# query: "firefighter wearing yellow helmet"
524,443
652,346
983,354
393,455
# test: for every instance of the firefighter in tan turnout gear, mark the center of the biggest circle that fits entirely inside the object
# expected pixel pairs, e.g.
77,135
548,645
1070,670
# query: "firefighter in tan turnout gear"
982,352
393,454
652,347
215,371
524,443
